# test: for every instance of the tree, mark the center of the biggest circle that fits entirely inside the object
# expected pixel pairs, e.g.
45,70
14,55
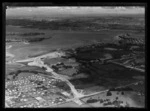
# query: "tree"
127,104
122,93
108,93
112,89
91,100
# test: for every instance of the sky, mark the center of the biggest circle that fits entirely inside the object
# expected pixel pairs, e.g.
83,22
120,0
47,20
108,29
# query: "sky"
62,11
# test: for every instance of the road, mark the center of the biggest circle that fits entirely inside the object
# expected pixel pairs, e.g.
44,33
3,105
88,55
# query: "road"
77,96
38,62
134,68
92,94
49,55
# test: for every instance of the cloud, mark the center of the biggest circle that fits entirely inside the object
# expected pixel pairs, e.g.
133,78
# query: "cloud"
62,10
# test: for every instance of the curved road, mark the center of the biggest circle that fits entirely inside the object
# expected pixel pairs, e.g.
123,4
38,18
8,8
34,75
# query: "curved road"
38,62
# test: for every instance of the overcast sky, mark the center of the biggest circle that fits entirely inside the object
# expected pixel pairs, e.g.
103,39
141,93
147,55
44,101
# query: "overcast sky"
59,11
